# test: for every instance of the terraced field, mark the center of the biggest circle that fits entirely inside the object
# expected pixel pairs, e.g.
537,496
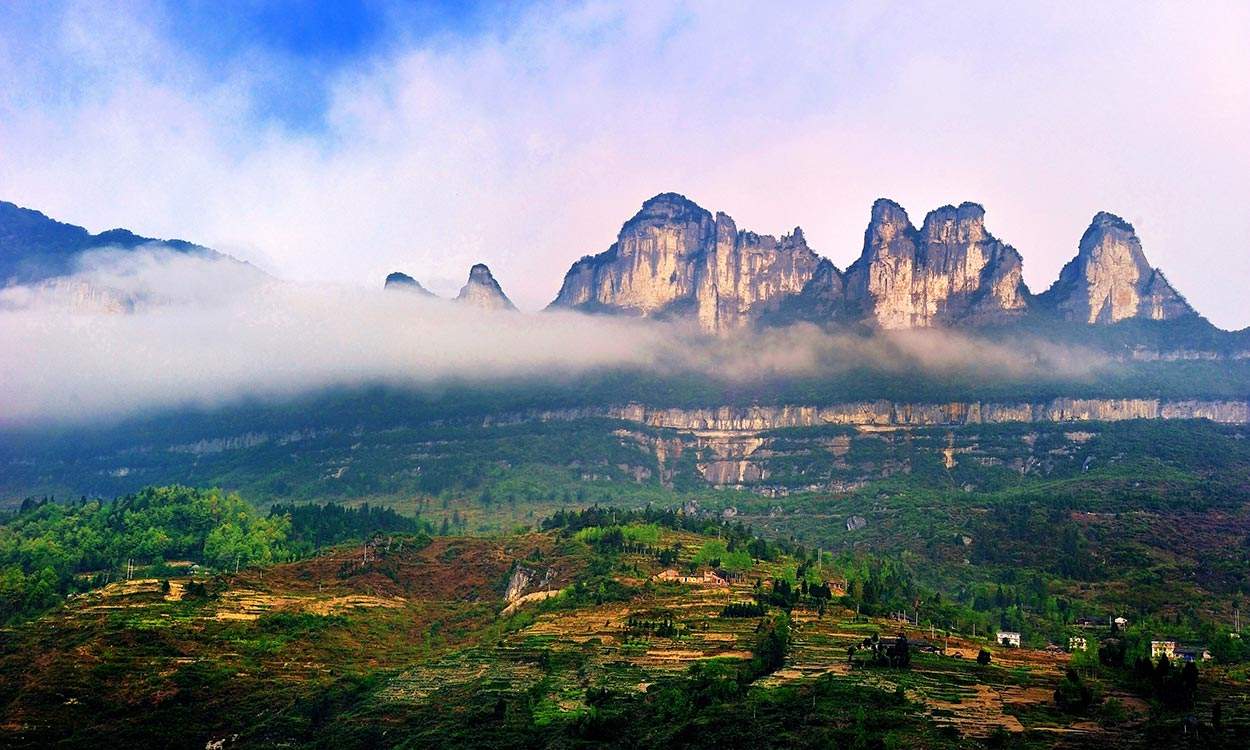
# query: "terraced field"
541,618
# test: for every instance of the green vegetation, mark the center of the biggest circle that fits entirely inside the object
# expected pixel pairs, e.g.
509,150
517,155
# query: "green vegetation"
350,623
409,645
716,553
313,527
49,550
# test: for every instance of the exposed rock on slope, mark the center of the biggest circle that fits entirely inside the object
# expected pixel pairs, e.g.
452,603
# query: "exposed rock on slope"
675,258
481,290
1110,280
882,413
952,270
405,283
68,293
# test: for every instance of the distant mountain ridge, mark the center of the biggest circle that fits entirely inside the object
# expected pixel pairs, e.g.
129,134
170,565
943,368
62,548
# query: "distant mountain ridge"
674,259
34,247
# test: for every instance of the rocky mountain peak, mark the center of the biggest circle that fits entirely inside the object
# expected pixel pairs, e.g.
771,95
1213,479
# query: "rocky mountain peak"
676,258
950,224
404,282
952,269
1110,279
668,209
481,290
1106,219
889,230
886,211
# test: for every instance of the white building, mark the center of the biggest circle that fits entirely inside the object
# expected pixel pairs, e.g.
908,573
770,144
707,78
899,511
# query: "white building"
1008,638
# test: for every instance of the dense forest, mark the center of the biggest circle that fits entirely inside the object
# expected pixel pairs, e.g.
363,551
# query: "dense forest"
49,550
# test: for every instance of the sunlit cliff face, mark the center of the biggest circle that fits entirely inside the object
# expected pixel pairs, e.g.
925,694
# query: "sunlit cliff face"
673,259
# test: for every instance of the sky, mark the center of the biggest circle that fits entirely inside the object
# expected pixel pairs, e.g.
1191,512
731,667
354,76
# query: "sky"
336,142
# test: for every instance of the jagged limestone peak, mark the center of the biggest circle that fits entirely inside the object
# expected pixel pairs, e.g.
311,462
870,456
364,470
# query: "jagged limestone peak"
1110,279
482,290
675,258
949,224
950,270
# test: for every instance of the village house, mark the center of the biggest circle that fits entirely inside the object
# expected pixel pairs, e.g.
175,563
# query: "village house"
706,578
1160,649
1077,643
1193,653
1008,638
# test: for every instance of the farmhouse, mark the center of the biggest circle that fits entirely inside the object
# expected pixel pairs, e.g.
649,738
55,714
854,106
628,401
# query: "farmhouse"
706,578
1193,653
1160,649
1008,638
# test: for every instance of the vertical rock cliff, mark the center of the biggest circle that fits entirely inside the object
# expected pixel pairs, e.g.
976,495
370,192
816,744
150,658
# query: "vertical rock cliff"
481,290
1110,280
674,258
951,270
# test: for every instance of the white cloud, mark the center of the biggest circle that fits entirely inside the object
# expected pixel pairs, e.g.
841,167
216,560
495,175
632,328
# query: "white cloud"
526,145
205,332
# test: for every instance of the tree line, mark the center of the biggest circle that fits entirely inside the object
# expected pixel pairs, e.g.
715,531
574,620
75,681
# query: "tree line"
49,550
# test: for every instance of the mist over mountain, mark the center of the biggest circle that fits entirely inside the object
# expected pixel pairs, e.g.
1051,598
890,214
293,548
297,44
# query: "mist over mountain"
152,325
34,247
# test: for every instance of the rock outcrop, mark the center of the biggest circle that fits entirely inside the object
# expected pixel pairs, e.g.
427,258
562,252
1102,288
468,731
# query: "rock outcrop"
405,283
1110,280
674,258
757,446
894,414
950,271
71,294
481,290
